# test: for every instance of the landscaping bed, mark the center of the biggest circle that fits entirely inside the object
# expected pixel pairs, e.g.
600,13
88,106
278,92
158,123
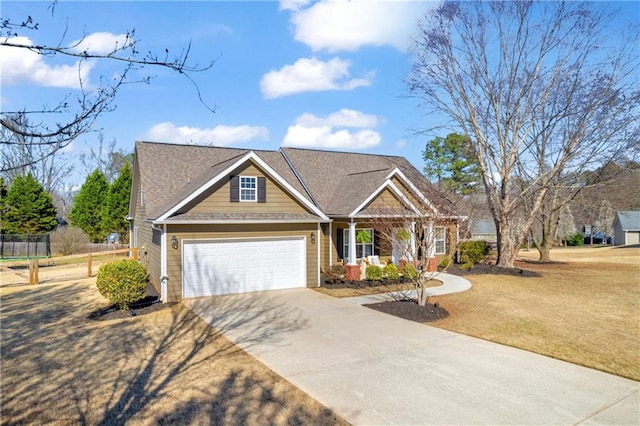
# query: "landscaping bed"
410,310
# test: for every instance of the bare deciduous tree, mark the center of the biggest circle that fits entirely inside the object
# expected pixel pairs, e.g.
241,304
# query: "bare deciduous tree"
22,155
55,126
530,83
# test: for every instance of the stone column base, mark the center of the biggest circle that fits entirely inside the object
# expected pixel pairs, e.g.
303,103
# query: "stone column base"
353,272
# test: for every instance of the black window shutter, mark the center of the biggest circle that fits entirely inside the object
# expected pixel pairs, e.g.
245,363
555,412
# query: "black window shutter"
340,242
234,196
376,242
262,189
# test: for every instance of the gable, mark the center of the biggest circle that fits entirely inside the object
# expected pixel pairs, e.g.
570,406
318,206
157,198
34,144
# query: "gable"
217,198
385,203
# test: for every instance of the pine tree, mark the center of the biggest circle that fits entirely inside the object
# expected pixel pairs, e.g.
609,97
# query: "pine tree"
88,206
116,206
451,162
29,209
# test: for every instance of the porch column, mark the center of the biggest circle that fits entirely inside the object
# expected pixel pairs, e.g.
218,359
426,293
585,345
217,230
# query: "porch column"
412,241
432,263
352,268
352,244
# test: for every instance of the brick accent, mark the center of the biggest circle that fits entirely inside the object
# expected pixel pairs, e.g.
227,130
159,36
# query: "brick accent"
353,272
432,265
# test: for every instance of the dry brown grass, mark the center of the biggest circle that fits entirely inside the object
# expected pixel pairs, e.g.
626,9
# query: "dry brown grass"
165,367
585,310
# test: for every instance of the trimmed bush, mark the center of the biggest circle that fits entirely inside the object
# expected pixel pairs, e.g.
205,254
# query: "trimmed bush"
409,271
338,270
472,252
374,273
391,271
444,262
122,282
575,240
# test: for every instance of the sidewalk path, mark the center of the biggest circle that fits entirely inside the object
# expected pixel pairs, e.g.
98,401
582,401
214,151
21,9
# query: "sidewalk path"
450,284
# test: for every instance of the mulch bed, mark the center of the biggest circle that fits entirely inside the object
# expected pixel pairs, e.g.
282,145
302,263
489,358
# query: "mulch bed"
410,310
488,268
147,305
326,282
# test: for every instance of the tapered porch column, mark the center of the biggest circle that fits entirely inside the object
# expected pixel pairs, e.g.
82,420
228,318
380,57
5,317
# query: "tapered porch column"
432,263
352,268
412,241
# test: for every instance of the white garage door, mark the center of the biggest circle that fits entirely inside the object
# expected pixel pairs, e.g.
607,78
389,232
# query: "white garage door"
225,266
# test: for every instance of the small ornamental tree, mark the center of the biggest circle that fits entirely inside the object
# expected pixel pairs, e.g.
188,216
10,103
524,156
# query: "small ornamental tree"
122,282
88,206
28,208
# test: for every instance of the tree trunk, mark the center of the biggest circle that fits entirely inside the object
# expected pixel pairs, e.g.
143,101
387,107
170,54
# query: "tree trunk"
422,290
506,252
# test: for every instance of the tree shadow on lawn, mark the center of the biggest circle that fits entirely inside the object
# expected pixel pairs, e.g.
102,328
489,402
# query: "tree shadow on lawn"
60,367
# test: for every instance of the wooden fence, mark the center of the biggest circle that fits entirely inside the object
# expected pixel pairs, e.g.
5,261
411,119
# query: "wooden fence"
91,258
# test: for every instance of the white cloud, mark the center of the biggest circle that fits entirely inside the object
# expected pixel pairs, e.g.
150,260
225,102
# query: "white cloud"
343,118
346,25
21,65
310,131
292,4
220,135
311,75
101,43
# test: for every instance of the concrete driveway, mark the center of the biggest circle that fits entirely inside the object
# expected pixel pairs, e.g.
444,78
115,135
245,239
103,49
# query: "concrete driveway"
373,368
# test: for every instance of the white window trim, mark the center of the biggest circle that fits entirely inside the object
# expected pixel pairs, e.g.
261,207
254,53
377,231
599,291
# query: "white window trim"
443,239
345,242
255,189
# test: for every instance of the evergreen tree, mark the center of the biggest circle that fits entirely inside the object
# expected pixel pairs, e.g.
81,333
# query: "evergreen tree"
88,206
451,162
3,203
116,206
29,209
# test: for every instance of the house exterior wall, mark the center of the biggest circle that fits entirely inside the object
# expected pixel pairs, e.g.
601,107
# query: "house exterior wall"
191,232
217,200
633,237
325,247
618,234
149,251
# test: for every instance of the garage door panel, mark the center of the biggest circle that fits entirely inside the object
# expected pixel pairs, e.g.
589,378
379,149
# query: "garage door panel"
235,266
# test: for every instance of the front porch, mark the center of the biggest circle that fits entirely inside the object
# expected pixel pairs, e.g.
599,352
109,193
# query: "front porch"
420,242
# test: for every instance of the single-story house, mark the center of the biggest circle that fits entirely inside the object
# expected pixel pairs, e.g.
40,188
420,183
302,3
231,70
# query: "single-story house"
626,228
211,220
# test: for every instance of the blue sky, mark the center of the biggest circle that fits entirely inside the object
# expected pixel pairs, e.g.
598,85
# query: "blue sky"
325,75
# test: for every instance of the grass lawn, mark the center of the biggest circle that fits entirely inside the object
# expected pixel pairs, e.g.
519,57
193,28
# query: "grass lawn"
165,367
585,308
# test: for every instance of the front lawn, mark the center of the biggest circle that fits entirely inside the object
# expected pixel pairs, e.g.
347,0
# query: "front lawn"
584,308
168,366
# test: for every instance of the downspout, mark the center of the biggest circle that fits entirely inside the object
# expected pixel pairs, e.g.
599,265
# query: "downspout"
163,264
319,245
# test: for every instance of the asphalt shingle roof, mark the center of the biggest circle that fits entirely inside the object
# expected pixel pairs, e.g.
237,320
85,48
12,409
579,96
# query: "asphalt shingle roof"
629,220
337,182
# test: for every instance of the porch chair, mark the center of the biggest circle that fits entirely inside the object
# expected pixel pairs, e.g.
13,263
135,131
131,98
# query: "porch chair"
375,260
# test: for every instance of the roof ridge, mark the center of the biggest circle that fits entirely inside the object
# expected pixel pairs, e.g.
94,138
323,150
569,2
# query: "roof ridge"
207,146
343,152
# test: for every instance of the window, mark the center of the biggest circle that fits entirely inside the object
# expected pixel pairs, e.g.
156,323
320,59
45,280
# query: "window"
441,245
362,249
248,188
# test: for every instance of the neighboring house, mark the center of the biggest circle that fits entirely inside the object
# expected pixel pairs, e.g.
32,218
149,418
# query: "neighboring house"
212,220
483,229
626,228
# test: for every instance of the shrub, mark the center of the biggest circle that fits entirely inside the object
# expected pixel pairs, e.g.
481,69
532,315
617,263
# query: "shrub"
409,271
445,262
338,270
374,273
391,271
122,282
575,240
68,240
472,252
